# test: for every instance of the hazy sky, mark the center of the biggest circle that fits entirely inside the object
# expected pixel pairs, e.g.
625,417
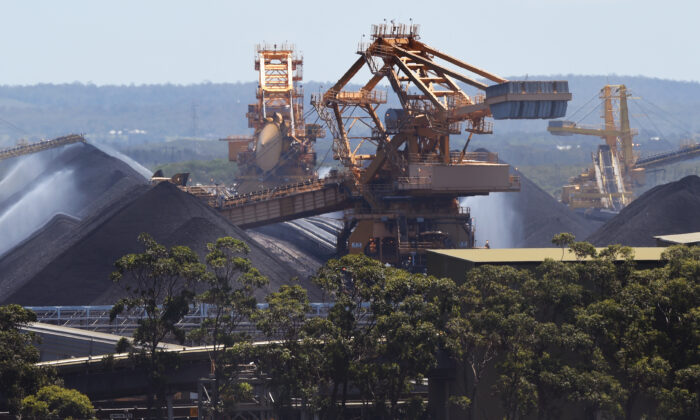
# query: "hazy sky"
159,41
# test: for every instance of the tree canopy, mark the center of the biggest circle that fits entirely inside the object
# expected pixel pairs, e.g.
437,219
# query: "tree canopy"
54,402
592,338
19,376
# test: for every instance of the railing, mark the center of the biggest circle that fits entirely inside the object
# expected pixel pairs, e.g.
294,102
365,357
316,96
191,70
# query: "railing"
414,180
479,127
359,97
96,318
420,105
417,245
266,46
373,50
457,100
455,157
514,182
395,30
236,200
490,157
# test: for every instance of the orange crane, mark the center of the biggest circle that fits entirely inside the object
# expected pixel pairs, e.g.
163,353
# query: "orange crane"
403,171
280,151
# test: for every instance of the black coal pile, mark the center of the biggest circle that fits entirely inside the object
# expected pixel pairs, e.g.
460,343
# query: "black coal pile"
306,243
79,274
664,210
542,216
77,180
528,218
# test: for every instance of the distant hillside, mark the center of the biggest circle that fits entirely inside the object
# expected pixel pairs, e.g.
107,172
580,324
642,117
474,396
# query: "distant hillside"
157,112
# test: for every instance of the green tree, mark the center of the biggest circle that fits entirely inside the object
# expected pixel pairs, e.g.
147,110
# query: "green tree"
476,333
563,240
381,335
54,402
407,337
349,282
159,283
19,376
292,361
229,298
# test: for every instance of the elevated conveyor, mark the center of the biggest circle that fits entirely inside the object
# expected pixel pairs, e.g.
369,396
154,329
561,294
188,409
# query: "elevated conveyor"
27,149
316,197
662,159
281,204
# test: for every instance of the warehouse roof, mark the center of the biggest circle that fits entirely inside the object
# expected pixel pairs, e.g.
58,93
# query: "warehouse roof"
682,238
534,255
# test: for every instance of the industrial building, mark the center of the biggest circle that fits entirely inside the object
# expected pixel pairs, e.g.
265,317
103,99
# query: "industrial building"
689,239
455,263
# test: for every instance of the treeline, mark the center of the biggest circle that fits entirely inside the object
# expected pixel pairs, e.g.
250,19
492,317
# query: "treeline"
597,338
215,110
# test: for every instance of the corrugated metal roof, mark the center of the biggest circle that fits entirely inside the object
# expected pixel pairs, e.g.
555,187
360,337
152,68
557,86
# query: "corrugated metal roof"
525,255
682,238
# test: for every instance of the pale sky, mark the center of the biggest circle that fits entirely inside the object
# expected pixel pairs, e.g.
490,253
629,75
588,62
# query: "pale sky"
183,42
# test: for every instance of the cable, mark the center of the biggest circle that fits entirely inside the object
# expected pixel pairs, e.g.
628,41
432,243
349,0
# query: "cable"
589,113
19,129
642,126
677,123
646,114
583,106
326,156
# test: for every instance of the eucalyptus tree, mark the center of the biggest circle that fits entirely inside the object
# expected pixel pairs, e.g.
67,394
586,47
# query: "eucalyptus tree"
229,298
159,283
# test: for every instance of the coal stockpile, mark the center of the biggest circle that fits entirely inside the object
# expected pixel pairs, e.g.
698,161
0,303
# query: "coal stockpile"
77,180
543,217
79,275
525,219
664,210
306,243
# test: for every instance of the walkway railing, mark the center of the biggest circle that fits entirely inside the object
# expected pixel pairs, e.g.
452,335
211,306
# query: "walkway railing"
96,317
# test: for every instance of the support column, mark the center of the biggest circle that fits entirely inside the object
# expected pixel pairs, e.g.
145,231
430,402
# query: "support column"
169,402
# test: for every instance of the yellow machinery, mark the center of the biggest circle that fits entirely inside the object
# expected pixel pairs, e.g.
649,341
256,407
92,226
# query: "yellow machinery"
608,184
281,148
402,171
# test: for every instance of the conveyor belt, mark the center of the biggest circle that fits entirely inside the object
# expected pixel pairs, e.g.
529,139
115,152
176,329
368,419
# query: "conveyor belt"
282,204
42,145
666,158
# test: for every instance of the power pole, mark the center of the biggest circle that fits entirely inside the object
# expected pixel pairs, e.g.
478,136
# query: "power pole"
194,119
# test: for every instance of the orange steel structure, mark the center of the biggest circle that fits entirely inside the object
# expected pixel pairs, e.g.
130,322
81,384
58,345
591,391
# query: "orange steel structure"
400,181
281,148
405,176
